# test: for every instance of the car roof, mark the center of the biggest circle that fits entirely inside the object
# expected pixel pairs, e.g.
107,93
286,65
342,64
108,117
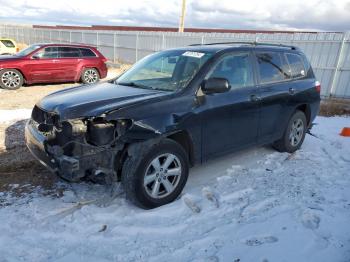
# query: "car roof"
216,47
7,39
64,44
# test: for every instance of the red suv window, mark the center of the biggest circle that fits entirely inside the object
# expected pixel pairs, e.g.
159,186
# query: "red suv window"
86,52
48,52
68,52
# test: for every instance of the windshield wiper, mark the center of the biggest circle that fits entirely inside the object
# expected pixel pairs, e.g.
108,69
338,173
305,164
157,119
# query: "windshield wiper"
133,84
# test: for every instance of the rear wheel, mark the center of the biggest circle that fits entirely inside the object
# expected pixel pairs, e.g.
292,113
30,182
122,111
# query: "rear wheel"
156,175
11,79
294,134
90,76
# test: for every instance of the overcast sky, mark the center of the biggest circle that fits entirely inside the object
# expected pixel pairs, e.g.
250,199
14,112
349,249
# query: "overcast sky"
327,15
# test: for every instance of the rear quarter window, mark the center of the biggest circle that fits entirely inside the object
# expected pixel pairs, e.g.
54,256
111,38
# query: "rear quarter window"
272,67
86,52
8,43
296,64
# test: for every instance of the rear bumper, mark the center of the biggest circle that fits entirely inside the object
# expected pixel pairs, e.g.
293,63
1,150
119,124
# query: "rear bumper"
103,71
36,144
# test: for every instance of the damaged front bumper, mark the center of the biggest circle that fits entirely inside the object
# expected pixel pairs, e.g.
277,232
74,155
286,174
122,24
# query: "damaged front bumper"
91,147
36,144
98,162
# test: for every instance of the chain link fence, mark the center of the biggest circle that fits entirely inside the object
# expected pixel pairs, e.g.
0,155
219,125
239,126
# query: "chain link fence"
329,53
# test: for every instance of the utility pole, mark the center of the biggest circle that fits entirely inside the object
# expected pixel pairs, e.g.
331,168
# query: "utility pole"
182,17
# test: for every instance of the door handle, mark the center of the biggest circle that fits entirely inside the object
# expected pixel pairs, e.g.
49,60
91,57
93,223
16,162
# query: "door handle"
255,98
55,60
292,91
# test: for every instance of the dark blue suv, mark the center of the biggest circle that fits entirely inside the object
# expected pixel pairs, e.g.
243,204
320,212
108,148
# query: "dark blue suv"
172,110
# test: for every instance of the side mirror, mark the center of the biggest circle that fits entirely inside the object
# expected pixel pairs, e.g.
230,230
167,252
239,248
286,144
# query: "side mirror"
215,85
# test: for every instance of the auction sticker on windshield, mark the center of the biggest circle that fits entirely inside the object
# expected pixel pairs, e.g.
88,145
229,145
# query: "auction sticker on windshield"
193,54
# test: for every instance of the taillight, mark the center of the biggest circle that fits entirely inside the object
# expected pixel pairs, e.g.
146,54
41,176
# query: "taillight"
318,86
104,60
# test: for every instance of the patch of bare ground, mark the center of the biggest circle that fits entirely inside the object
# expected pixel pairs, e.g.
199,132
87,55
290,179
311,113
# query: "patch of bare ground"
13,152
28,180
20,173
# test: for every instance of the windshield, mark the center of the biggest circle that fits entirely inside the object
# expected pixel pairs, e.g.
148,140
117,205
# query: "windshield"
28,50
169,70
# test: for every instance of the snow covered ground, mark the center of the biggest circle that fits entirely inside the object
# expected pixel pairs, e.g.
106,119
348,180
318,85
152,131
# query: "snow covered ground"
9,116
255,205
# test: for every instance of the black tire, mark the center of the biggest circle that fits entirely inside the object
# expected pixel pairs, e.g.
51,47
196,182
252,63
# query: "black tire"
285,144
11,79
90,76
136,166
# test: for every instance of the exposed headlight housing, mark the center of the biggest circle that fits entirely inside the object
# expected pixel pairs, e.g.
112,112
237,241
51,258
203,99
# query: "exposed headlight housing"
101,133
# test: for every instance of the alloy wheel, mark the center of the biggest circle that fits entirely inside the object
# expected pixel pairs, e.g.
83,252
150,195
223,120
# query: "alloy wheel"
296,132
162,175
90,76
11,79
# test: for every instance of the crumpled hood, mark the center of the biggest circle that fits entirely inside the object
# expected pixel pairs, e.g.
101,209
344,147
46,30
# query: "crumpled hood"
94,100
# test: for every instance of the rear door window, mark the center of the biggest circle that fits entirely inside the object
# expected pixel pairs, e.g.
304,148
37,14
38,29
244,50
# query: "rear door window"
68,52
236,68
8,43
272,67
296,65
86,52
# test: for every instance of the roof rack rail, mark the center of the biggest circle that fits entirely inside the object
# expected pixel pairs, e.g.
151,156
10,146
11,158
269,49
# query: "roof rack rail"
249,43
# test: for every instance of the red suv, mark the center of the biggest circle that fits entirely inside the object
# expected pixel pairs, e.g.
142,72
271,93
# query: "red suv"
49,63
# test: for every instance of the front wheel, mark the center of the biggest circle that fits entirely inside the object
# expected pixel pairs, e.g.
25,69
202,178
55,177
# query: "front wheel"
294,134
90,76
11,79
155,176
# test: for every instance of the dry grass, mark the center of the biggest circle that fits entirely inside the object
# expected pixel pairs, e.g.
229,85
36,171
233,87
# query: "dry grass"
335,107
